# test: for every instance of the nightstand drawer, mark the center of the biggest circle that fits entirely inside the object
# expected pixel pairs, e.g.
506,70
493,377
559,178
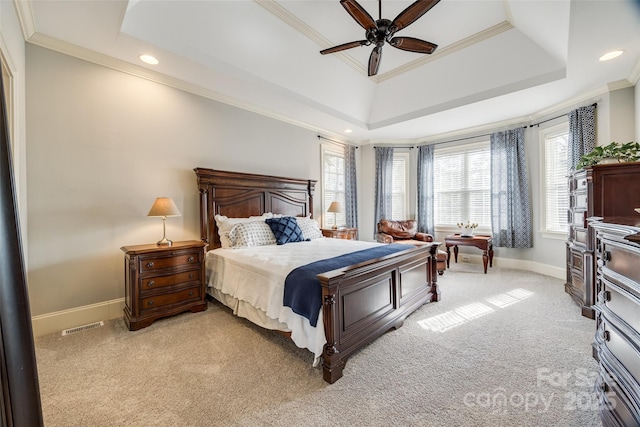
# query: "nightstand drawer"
169,280
159,263
163,300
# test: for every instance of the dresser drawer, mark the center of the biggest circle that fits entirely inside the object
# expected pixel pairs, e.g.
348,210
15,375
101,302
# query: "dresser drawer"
162,300
621,259
155,282
579,218
179,259
616,409
578,200
622,342
579,235
618,299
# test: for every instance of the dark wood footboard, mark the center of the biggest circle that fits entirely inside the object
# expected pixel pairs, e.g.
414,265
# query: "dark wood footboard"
363,301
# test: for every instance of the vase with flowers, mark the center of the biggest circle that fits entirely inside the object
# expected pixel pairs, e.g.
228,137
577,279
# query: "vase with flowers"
467,229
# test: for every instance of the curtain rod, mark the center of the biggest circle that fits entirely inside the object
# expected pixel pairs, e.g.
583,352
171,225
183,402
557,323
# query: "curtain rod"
335,142
595,104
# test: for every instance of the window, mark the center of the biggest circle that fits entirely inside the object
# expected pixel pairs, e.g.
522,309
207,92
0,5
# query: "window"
399,199
333,173
462,185
555,192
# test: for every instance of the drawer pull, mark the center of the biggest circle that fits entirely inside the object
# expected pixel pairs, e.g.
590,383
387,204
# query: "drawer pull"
191,258
605,336
150,264
150,302
190,275
606,256
151,283
604,296
191,293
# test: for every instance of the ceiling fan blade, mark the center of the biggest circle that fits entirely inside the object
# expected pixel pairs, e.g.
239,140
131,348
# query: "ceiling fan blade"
345,46
374,60
412,13
413,45
358,13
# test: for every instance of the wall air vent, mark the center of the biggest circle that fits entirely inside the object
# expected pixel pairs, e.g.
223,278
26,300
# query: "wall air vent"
82,328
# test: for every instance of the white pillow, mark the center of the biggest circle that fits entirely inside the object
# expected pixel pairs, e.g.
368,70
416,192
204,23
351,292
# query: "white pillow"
247,234
225,224
309,227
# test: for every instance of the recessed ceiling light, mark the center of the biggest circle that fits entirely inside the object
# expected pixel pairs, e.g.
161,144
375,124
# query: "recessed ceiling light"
148,59
610,55
348,131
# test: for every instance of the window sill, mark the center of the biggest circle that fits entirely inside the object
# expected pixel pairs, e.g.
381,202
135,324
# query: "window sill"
554,236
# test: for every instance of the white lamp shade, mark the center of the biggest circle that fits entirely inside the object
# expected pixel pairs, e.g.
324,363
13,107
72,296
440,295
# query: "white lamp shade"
335,207
164,206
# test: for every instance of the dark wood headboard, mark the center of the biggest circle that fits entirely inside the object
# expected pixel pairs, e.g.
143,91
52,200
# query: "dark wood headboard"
240,195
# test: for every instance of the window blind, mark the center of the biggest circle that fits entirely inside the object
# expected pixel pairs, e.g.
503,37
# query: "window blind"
556,187
462,185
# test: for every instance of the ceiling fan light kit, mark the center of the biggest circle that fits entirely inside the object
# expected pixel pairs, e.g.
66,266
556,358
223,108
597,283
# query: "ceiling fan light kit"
383,30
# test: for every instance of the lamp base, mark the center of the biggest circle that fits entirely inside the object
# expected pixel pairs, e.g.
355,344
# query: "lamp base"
165,242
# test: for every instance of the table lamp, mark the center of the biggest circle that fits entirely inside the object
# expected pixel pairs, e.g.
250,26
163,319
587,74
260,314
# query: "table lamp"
335,207
164,207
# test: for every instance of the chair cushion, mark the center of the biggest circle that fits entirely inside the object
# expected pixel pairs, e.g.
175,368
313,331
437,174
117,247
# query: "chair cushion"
398,229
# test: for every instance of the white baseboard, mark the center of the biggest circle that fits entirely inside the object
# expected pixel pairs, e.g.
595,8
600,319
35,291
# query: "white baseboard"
520,264
59,320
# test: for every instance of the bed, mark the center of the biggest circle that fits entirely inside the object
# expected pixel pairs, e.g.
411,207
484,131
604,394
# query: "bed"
359,302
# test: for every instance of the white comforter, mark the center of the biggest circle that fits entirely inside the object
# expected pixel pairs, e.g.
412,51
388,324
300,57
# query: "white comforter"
256,276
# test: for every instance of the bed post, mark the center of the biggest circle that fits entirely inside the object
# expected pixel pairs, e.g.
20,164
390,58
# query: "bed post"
433,272
332,364
204,226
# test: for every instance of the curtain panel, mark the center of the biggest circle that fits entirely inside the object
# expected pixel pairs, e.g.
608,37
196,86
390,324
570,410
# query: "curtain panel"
350,187
384,183
510,203
425,189
582,133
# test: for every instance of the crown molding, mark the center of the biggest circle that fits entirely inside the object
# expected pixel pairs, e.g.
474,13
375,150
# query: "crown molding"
25,16
634,75
447,50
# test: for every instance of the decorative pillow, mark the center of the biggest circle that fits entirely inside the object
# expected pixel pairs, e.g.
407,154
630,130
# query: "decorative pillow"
225,224
309,227
285,229
248,234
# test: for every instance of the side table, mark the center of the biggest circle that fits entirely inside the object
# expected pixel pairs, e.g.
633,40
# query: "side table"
484,243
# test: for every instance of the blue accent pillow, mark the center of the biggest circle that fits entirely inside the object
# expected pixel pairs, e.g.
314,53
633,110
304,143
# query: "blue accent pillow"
285,229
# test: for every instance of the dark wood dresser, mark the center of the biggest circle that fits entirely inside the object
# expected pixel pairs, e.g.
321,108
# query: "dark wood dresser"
617,339
611,190
162,281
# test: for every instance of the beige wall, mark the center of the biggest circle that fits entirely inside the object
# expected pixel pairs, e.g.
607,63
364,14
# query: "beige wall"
102,145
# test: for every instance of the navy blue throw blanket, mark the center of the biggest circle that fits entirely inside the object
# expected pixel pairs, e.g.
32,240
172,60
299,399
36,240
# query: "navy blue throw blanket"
302,290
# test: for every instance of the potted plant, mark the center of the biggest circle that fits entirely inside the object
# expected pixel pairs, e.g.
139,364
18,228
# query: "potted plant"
614,152
467,228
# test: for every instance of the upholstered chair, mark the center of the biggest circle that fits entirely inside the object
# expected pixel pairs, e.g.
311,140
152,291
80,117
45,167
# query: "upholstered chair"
406,232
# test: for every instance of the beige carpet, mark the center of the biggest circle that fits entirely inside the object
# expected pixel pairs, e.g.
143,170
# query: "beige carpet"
508,348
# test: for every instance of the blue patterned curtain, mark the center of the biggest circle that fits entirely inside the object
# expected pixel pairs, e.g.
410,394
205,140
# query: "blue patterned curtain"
510,204
425,189
384,182
350,187
582,133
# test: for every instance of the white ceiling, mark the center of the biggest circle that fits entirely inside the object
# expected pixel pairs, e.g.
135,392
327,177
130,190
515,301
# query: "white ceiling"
496,61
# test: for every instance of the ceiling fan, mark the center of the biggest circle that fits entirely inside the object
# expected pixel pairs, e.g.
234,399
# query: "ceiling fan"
383,30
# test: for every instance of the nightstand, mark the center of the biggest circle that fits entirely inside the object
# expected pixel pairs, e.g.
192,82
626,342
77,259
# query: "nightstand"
341,233
161,281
